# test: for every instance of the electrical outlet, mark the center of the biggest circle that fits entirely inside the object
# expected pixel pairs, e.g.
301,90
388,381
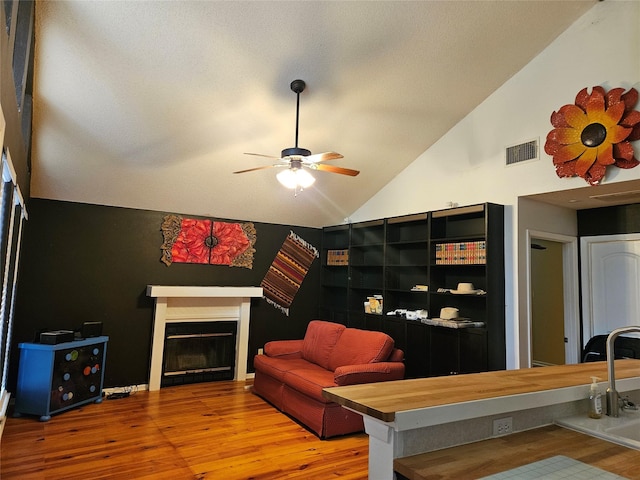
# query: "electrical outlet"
502,426
260,351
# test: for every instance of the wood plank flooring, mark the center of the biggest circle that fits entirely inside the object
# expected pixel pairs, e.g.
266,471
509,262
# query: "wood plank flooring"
217,430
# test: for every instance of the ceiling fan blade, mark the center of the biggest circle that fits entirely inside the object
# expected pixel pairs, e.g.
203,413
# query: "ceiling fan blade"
323,157
253,169
334,169
262,155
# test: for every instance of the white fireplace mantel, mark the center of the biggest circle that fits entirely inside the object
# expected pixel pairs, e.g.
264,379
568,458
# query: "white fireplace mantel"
200,304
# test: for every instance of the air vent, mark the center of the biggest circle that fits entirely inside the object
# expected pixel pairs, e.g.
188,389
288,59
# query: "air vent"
632,196
522,152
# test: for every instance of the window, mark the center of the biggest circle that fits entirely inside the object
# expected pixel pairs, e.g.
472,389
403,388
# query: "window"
12,214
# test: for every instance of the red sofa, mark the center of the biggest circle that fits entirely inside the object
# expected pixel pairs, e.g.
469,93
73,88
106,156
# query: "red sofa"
292,373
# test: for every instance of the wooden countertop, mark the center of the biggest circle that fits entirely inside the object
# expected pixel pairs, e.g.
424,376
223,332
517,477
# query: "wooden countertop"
496,455
383,400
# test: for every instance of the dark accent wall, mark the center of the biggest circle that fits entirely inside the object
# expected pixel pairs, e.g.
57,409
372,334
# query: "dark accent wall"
609,220
93,263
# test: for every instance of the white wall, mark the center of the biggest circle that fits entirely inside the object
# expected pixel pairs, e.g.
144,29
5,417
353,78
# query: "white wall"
466,166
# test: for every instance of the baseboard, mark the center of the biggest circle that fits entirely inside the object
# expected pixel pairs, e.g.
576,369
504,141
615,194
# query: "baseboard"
128,388
142,387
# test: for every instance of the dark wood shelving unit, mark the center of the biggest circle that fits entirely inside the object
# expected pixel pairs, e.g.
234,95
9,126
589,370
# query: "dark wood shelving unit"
335,277
366,272
390,256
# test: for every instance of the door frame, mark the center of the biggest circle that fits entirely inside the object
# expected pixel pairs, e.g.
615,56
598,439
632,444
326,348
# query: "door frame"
571,289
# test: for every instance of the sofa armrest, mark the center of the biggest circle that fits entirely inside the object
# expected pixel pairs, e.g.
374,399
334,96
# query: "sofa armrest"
397,355
369,373
284,348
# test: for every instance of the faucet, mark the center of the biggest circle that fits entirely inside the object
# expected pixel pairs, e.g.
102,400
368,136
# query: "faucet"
613,399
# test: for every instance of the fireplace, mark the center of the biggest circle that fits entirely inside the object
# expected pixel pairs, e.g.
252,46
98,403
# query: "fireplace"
183,305
198,352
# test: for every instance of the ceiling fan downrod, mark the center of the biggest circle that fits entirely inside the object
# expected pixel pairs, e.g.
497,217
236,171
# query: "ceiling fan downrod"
297,87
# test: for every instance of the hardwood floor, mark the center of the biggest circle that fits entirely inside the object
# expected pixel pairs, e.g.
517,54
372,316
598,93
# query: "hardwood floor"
217,430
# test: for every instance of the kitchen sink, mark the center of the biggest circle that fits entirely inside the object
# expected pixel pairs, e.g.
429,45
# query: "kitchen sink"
623,430
630,430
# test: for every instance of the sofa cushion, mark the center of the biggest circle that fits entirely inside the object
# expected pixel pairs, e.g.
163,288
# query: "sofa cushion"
277,367
310,380
319,341
355,347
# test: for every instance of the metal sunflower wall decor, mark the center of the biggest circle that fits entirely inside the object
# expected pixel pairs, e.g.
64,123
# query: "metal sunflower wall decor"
594,133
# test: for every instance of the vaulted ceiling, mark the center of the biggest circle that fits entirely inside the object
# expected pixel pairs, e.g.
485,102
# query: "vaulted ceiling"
152,105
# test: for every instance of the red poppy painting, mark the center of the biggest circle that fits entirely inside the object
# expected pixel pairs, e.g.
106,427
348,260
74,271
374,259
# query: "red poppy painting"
204,241
594,133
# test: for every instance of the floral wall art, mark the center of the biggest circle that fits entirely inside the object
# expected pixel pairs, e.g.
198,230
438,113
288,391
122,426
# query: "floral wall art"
204,241
594,133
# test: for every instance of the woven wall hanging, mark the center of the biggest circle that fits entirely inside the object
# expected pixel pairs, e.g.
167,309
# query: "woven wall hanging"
287,272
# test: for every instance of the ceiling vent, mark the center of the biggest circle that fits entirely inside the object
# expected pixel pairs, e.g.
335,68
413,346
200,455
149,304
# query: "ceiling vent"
632,196
523,152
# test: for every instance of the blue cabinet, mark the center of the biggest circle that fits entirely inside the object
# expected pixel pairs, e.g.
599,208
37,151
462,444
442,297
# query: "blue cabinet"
55,378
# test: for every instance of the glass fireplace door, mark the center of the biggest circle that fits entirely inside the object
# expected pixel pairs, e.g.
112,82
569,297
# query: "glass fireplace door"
198,352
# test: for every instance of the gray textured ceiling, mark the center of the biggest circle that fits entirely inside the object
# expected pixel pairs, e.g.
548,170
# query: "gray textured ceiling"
151,104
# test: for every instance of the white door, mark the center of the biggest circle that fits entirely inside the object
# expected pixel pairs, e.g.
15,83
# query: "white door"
610,283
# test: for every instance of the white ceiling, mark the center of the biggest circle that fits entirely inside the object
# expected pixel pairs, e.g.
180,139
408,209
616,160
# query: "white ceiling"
150,105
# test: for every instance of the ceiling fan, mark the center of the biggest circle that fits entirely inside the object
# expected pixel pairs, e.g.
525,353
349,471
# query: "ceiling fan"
296,159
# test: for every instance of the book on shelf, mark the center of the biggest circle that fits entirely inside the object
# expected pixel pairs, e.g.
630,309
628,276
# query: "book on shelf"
338,257
461,253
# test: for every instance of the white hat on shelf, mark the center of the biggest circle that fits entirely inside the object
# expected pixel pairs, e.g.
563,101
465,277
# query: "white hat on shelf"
449,313
465,289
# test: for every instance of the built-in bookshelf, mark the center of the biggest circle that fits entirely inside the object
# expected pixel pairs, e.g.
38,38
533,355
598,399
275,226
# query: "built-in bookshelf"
404,260
335,276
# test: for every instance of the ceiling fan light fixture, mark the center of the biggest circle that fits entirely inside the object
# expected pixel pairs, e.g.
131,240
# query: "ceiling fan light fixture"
292,179
287,178
304,178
